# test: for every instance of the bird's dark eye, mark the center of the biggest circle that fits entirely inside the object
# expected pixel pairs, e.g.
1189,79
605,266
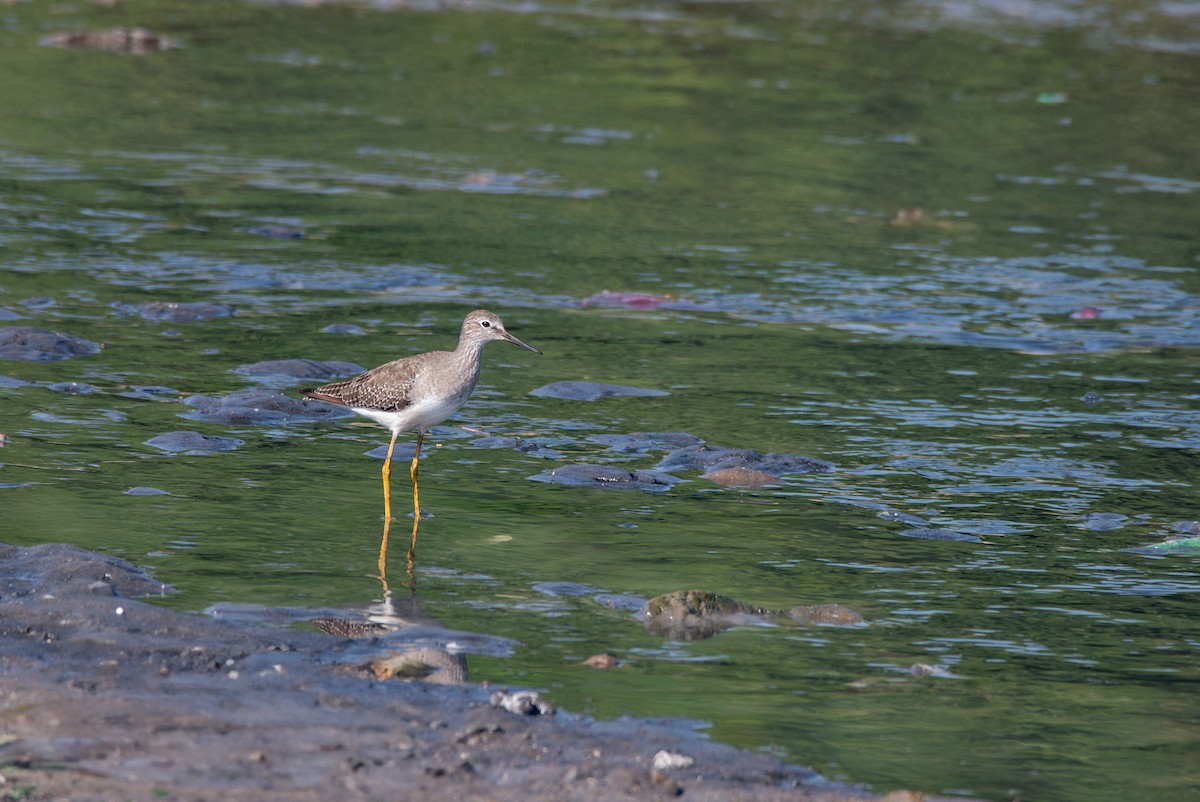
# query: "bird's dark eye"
487,324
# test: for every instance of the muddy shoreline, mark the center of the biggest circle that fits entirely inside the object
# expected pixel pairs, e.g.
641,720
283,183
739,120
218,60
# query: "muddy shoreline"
108,697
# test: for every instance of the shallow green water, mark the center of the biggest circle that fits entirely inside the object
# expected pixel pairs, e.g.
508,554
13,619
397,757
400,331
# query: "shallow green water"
752,161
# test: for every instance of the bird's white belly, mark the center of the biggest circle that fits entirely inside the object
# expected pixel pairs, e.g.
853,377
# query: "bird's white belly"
422,415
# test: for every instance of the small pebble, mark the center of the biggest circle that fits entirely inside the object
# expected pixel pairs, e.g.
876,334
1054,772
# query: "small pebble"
522,703
666,761
600,661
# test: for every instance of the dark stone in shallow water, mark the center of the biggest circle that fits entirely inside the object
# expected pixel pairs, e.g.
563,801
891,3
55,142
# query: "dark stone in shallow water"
276,232
177,442
38,303
39,345
608,477
257,406
146,491
72,388
708,458
900,517
564,588
641,442
929,533
175,312
619,601
698,614
150,392
1104,521
299,369
530,447
402,452
590,391
55,567
343,328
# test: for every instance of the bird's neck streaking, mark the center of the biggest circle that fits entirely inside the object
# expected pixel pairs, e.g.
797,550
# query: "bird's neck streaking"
468,352
469,347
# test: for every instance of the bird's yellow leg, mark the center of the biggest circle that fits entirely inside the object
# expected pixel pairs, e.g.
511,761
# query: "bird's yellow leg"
412,471
387,506
412,548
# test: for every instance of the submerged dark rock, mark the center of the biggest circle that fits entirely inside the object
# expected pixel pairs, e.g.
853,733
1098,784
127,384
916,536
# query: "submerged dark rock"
275,231
706,458
72,388
564,588
39,345
531,447
699,614
150,392
175,312
642,442
56,567
590,391
114,698
900,517
256,406
934,533
177,442
607,476
343,328
1104,521
299,369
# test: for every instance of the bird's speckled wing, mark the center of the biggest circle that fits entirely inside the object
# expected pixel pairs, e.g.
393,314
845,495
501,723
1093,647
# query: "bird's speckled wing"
388,388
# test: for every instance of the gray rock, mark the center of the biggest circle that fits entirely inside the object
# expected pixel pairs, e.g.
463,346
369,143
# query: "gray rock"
72,388
590,391
39,345
699,614
708,458
178,442
175,311
256,406
933,533
607,477
299,369
642,442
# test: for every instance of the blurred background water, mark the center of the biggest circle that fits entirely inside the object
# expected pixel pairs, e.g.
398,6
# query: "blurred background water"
949,247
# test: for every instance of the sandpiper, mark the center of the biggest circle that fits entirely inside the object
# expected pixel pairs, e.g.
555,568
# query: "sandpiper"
414,394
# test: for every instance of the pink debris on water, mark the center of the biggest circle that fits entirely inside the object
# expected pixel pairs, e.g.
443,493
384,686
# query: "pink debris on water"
636,300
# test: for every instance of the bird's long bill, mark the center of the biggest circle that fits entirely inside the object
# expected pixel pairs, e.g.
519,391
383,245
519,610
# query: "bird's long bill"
515,341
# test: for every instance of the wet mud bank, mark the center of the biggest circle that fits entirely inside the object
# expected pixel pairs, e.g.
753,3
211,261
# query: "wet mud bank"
108,697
